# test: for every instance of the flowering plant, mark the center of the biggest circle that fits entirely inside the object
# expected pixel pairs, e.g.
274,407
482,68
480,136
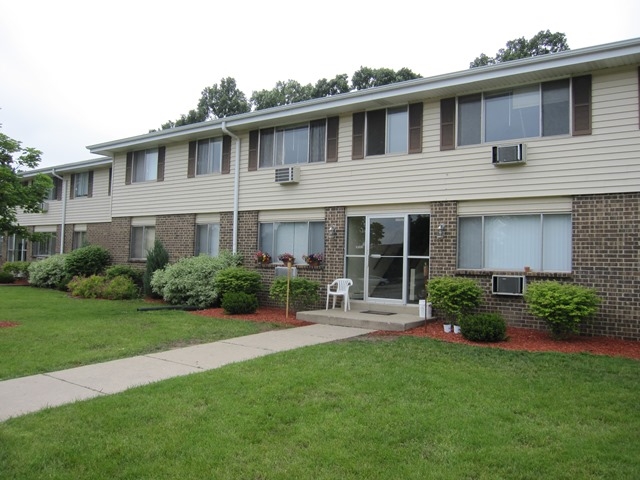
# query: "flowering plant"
314,258
286,258
262,257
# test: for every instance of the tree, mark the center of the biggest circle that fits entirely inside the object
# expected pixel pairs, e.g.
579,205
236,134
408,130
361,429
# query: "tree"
542,43
15,193
216,101
374,77
283,93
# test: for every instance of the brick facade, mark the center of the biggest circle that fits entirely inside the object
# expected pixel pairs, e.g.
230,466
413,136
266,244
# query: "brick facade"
177,233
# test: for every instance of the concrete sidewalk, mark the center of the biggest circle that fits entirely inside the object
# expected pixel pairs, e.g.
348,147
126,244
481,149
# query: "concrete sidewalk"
29,394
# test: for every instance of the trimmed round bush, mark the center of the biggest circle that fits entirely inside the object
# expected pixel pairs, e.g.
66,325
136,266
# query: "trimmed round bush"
191,281
238,279
454,296
6,277
303,293
17,269
48,272
87,261
483,327
125,271
120,288
235,303
87,287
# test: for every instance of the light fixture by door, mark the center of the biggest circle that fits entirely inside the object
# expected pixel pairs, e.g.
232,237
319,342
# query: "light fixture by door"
441,230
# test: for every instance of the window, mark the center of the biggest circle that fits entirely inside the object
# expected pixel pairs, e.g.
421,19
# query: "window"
45,247
142,240
511,242
1,246
207,239
532,111
388,130
81,184
79,240
209,156
313,142
56,191
145,166
16,249
297,238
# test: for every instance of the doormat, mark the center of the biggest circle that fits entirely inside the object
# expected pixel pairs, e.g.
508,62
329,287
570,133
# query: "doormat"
376,312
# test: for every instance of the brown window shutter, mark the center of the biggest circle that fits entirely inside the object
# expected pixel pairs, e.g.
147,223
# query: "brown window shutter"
415,127
226,154
333,124
447,123
58,186
90,187
357,140
128,168
191,159
161,153
72,186
254,136
581,96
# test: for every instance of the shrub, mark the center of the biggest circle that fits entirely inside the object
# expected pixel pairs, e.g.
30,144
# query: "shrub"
483,327
563,306
87,287
303,293
17,269
157,258
191,281
48,272
454,296
235,303
125,271
87,261
120,288
6,277
238,279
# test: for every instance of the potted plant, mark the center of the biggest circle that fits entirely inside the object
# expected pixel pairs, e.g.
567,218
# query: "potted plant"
287,258
454,297
262,258
313,259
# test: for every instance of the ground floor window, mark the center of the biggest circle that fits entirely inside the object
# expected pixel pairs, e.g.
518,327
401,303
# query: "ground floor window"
207,239
297,238
79,240
142,240
512,242
45,247
17,249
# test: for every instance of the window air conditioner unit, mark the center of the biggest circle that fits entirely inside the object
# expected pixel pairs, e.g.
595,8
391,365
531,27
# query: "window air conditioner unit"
508,284
509,154
44,206
287,175
283,272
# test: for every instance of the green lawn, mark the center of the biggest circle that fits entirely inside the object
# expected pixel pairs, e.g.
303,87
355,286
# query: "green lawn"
56,331
370,408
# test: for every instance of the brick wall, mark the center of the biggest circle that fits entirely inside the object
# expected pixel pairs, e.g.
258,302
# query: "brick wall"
120,239
177,234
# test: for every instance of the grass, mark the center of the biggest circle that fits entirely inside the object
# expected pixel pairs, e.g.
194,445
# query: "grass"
56,331
375,408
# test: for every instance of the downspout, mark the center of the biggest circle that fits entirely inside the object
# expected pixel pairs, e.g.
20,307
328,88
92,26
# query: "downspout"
64,209
236,187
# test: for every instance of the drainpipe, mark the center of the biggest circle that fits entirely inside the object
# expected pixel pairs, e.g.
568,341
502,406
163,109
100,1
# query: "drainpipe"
64,208
236,186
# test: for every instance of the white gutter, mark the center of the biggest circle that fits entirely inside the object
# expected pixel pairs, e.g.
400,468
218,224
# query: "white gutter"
236,187
63,220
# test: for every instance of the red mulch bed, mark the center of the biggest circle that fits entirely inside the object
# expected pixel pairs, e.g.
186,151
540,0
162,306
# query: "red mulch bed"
518,338
8,324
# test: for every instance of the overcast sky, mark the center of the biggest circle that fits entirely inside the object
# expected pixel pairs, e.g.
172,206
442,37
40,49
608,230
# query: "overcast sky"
77,73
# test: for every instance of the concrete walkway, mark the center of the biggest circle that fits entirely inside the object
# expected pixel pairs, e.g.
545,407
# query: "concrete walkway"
29,394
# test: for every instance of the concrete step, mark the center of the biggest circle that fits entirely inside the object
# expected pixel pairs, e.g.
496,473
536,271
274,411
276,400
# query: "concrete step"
375,317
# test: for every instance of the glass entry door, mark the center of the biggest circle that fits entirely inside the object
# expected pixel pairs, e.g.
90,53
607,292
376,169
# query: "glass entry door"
388,257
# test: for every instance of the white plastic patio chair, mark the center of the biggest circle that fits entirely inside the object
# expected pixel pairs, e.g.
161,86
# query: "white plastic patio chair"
339,288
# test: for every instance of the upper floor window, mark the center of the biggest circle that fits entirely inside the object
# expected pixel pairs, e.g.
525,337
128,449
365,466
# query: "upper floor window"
209,158
145,165
312,142
388,130
512,242
81,184
559,107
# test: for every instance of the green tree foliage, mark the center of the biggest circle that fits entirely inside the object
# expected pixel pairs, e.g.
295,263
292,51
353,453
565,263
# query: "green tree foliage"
157,258
15,193
540,44
375,77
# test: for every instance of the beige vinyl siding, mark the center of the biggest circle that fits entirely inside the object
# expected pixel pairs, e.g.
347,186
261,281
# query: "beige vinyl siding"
53,215
604,162
389,209
177,194
95,209
516,206
310,215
